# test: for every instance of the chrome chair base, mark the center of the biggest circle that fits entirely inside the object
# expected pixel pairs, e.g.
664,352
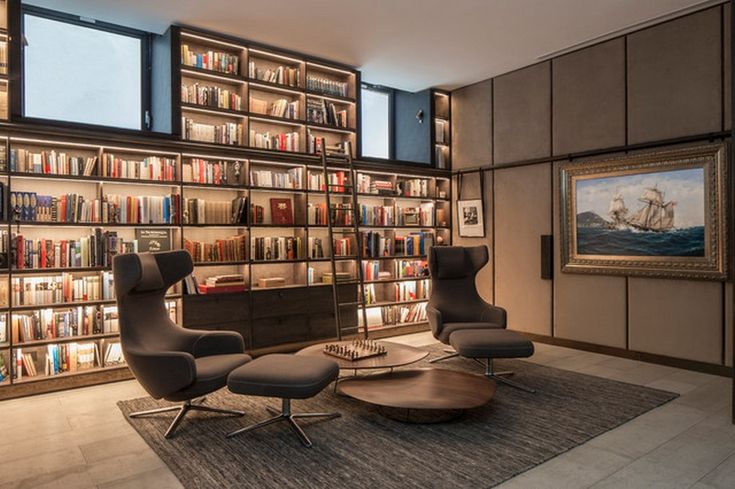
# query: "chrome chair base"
285,414
449,354
501,376
183,409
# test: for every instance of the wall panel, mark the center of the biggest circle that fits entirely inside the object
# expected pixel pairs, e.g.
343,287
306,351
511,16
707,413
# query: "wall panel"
472,125
522,114
677,318
674,78
727,65
523,213
589,98
589,308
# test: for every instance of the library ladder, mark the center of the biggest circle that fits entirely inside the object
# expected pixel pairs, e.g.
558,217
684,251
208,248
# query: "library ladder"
352,229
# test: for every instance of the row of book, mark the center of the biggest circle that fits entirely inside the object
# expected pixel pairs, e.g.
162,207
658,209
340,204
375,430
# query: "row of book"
281,107
373,270
343,247
31,207
368,184
56,289
404,314
376,244
316,247
149,168
414,187
337,181
327,86
210,96
230,249
314,145
210,60
201,211
281,142
282,75
94,250
319,111
57,359
411,291
226,133
51,163
142,210
48,324
377,215
291,178
199,170
276,248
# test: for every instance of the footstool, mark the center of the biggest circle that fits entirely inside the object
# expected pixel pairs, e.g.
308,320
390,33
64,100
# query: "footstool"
286,377
491,343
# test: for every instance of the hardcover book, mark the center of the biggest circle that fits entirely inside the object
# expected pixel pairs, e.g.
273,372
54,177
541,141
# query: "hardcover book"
281,212
153,239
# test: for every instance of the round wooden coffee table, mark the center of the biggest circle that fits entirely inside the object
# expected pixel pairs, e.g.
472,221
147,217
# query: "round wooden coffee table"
397,355
421,395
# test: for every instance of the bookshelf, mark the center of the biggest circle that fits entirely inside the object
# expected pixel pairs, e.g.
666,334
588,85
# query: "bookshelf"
441,133
4,61
237,93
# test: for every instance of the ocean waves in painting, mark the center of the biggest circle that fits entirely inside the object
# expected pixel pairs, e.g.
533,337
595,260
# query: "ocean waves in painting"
679,242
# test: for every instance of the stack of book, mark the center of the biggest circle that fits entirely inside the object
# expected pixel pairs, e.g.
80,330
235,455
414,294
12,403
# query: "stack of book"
292,178
326,86
276,248
371,271
31,207
232,249
366,184
226,133
142,210
150,168
51,163
282,107
341,277
414,313
210,60
281,142
198,170
38,291
210,96
220,284
282,75
319,111
314,145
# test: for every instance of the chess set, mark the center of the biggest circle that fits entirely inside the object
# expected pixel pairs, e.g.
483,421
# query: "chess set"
357,350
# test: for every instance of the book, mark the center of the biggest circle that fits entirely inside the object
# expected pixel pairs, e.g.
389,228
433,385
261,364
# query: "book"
149,168
222,289
285,179
282,142
320,111
69,208
56,289
271,282
276,248
283,108
232,249
282,75
94,250
281,212
153,240
141,209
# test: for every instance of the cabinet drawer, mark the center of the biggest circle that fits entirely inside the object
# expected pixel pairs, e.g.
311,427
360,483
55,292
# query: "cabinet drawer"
279,330
280,302
211,310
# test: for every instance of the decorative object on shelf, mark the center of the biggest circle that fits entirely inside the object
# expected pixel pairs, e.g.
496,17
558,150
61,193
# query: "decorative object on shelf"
153,239
357,350
659,214
471,212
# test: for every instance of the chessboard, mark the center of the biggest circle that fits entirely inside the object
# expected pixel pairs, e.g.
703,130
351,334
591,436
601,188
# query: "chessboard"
357,350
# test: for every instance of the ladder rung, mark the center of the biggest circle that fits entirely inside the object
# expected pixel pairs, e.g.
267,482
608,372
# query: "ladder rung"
335,209
358,303
348,282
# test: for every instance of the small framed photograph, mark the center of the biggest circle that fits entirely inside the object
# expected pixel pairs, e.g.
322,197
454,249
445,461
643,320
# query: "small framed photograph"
471,218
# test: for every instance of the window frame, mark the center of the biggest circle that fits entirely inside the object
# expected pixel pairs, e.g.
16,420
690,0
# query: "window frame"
145,57
391,122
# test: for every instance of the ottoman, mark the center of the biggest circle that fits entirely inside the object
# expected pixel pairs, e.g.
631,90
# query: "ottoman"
286,377
491,343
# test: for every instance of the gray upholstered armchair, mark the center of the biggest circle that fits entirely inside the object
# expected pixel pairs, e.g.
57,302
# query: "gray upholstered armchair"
170,362
455,303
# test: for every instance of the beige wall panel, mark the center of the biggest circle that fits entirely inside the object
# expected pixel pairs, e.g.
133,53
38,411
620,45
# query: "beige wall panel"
677,318
727,70
674,78
728,323
589,98
522,114
472,125
523,214
471,190
589,308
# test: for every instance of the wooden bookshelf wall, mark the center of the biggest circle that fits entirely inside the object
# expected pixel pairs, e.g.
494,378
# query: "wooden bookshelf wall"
4,64
273,92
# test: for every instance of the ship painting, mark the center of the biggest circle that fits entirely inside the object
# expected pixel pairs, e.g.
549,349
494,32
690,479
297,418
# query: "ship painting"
665,218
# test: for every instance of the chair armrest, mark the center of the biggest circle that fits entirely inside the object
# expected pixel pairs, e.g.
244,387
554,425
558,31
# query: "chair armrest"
218,343
435,320
494,314
161,373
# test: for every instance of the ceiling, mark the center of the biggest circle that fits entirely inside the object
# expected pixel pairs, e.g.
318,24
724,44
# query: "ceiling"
405,44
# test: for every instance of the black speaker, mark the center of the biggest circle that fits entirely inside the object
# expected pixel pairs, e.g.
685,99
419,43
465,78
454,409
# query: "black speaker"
547,257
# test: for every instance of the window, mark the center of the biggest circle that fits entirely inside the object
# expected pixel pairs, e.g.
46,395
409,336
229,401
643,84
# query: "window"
83,72
376,122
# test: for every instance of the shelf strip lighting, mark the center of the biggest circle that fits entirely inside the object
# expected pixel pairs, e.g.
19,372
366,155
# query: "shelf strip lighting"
271,88
193,73
274,55
53,143
213,112
329,68
228,158
212,41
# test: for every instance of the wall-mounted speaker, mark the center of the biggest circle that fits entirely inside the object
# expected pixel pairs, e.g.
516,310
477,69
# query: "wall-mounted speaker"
547,257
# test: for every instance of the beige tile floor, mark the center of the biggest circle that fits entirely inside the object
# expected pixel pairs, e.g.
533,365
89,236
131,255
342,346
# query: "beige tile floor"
78,439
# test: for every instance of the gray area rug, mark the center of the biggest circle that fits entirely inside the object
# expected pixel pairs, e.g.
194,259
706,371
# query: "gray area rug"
513,433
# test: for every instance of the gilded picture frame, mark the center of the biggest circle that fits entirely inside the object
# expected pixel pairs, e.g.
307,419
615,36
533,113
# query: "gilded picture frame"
661,214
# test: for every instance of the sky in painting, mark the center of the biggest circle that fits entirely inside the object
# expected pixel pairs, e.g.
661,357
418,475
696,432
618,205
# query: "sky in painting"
685,187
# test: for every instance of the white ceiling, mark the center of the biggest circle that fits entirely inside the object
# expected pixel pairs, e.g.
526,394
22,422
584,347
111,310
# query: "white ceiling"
406,44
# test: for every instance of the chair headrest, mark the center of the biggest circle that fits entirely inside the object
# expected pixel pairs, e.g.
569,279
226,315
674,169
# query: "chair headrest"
150,275
451,262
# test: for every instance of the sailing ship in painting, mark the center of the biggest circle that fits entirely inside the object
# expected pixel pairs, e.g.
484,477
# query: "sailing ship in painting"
653,227
654,215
